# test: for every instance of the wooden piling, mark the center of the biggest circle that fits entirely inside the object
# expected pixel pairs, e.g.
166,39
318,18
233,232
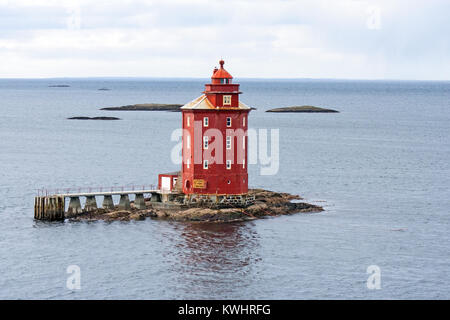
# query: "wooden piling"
49,208
42,208
36,199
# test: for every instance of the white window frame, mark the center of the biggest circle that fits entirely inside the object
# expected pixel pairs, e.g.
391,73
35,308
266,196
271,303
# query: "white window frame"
188,121
205,164
228,164
205,142
228,142
229,119
205,121
227,100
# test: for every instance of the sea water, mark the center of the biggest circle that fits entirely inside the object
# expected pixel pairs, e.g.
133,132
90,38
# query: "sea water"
380,168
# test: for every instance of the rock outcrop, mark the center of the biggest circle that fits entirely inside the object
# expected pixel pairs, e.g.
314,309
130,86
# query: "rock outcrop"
304,109
267,204
94,118
146,107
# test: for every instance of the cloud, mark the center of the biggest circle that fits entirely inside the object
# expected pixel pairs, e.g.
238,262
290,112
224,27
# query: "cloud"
319,39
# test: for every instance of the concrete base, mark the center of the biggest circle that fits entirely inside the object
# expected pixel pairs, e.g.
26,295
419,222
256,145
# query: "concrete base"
233,200
165,197
74,206
108,202
156,197
139,201
91,204
124,203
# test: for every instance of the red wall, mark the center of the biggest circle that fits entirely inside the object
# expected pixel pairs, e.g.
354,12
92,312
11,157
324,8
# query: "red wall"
217,175
217,100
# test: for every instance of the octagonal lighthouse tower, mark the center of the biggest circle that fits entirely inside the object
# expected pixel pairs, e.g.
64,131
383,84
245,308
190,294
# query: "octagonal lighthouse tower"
215,140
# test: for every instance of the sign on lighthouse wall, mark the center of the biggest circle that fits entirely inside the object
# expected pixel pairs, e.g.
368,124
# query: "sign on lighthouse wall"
199,184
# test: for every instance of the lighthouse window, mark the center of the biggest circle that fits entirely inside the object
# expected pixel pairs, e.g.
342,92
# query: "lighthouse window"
226,100
243,142
243,121
228,142
188,121
228,164
205,164
205,142
188,163
205,121
243,165
188,141
228,122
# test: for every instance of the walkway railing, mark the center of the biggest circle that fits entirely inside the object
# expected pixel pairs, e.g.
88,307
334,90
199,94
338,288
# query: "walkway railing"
67,192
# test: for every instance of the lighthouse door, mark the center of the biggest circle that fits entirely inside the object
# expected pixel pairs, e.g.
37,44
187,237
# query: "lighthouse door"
165,183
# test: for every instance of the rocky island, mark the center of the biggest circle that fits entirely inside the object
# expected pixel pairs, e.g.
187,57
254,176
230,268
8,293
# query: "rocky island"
94,118
267,204
146,107
304,109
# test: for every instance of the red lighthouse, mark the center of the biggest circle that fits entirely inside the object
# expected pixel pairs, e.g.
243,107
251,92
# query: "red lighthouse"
215,140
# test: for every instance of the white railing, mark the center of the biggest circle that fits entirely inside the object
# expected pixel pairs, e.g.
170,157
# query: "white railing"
131,188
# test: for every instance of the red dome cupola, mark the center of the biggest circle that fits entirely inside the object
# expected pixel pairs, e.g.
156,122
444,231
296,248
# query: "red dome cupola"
221,92
221,76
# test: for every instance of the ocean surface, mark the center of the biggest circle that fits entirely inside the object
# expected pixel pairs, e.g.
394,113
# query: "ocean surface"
380,168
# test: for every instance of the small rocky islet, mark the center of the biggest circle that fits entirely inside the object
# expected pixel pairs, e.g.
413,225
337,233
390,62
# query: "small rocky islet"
267,204
146,107
303,109
93,118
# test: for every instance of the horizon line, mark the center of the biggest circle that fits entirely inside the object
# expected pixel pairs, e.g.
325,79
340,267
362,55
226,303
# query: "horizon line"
240,78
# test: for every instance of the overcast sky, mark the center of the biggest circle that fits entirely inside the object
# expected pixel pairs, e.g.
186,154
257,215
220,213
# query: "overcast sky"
378,39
